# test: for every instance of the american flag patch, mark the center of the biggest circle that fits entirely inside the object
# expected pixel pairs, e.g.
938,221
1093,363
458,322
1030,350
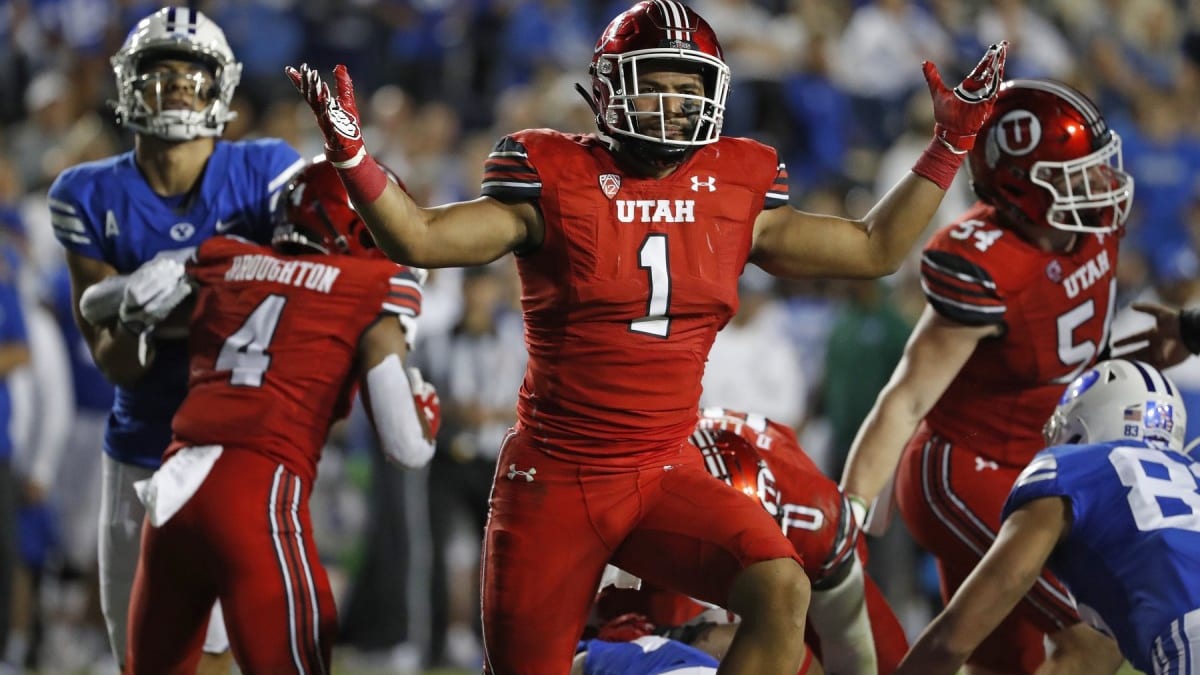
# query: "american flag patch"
1133,414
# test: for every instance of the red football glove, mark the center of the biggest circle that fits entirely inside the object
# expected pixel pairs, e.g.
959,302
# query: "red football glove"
625,628
336,115
429,405
959,112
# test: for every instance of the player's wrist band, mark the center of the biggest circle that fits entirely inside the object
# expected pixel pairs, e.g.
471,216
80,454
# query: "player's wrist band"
1189,329
859,508
938,164
363,178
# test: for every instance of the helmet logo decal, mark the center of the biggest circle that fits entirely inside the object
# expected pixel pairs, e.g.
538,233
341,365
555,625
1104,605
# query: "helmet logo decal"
1018,132
610,183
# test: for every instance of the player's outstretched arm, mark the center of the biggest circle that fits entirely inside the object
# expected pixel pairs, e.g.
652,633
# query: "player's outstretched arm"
792,243
1174,336
452,235
936,351
1002,578
403,408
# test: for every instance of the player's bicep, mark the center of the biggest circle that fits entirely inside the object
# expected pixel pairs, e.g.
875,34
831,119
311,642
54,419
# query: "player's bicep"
382,339
482,230
799,244
452,235
936,351
1009,568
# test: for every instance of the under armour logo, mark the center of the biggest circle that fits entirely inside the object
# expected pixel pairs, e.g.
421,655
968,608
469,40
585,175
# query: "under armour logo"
711,184
981,464
513,472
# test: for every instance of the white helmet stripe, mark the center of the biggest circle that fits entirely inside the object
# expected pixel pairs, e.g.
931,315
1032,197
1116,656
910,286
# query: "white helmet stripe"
1154,380
676,16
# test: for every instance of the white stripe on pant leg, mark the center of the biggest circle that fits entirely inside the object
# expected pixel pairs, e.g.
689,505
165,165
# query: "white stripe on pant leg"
294,510
272,510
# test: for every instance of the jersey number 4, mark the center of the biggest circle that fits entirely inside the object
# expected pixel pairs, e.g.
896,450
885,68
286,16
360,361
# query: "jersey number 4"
245,353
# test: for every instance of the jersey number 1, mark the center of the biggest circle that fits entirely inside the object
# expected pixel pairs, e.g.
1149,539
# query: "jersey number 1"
244,353
653,258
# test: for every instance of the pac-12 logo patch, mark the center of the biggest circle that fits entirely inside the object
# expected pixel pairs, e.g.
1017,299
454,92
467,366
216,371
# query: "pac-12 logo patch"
610,183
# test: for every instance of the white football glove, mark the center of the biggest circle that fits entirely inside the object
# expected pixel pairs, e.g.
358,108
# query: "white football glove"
153,290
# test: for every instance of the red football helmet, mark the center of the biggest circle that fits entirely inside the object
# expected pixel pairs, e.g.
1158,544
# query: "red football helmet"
658,33
731,458
315,213
1049,158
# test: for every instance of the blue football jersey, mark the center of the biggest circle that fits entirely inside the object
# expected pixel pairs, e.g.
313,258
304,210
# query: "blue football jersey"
649,655
106,210
1132,555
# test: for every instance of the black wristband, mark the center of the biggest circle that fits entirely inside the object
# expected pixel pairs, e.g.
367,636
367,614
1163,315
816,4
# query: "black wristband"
1189,329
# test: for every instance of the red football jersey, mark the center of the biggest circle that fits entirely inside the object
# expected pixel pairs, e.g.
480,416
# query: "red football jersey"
630,285
764,459
1055,310
273,341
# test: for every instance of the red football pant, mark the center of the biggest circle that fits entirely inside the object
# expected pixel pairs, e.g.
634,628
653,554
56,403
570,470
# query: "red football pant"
554,524
951,498
244,537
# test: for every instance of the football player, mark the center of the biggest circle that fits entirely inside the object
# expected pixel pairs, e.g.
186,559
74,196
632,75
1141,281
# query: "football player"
180,185
1111,507
629,245
1020,294
279,340
852,627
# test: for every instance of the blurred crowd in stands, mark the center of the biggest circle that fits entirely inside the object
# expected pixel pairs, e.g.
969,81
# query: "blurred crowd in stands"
834,85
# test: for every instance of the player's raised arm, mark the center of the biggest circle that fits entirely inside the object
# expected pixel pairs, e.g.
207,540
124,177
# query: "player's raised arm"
452,235
792,243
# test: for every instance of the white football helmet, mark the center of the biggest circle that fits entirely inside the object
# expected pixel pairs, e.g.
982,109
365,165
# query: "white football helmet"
1119,400
184,34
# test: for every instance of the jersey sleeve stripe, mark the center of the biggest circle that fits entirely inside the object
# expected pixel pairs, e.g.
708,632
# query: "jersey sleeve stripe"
952,265
508,173
60,205
73,238
953,286
960,290
399,309
287,174
67,223
932,294
407,296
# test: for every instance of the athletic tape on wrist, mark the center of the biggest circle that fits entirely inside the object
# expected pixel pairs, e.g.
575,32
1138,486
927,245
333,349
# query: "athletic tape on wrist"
938,164
363,178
